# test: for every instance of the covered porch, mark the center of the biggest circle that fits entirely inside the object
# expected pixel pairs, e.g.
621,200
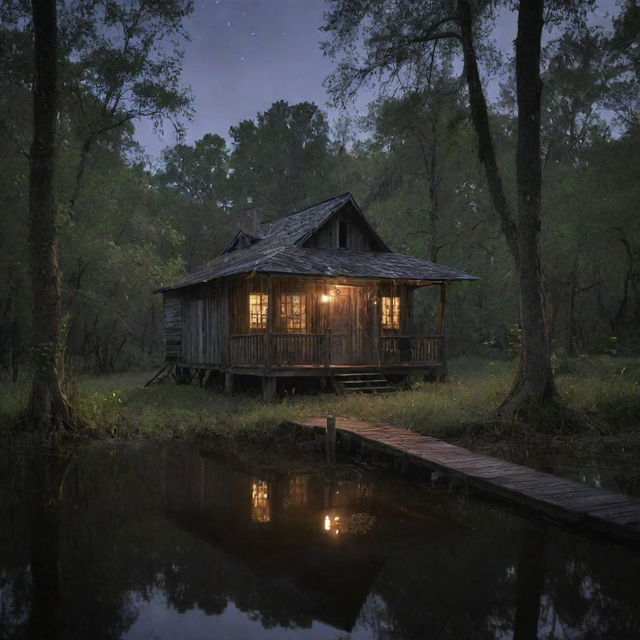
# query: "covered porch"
335,323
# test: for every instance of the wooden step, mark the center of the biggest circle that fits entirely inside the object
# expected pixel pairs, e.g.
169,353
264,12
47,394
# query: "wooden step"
361,382
358,373
386,389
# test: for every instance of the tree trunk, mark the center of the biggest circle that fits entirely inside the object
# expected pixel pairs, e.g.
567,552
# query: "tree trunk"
480,118
48,410
45,481
530,583
433,192
534,384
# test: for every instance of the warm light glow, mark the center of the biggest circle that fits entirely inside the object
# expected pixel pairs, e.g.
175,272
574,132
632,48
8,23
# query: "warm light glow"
293,311
258,310
327,523
390,312
325,297
260,506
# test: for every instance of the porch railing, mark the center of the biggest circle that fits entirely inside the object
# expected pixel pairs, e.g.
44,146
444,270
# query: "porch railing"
246,350
412,350
299,349
278,349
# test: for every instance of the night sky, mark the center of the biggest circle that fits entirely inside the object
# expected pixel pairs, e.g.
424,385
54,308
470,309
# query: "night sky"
246,54
243,56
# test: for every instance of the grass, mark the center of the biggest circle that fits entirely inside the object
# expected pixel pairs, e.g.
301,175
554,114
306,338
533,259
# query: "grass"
117,406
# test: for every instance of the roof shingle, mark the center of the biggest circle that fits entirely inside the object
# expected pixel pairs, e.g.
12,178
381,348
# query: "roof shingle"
279,250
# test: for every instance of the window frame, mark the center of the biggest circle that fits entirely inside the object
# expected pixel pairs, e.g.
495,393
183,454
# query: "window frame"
390,312
258,319
291,321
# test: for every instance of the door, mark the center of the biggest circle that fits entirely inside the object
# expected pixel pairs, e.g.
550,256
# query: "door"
351,326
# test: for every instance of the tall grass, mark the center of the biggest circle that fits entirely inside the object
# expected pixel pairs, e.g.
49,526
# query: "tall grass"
118,406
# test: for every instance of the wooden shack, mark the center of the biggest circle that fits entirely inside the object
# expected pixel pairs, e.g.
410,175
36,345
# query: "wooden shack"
313,293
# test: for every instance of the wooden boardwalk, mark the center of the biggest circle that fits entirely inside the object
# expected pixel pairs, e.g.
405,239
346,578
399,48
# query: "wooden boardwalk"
576,503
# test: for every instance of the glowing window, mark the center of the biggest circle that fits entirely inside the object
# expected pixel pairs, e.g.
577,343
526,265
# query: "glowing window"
258,310
293,310
260,506
390,312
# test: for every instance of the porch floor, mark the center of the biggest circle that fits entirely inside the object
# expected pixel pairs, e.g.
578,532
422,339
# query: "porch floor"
407,368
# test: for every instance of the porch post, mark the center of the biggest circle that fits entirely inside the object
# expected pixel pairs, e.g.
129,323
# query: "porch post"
443,300
269,327
443,344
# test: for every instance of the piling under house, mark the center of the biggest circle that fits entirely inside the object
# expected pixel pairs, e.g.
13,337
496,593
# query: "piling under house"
313,293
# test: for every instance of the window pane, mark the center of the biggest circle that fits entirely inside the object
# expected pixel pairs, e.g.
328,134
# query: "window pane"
258,310
293,311
390,312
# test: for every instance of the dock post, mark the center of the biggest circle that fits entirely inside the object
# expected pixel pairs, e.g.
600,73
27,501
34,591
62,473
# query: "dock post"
330,440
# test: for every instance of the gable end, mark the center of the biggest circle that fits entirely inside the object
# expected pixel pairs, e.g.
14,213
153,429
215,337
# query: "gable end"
346,228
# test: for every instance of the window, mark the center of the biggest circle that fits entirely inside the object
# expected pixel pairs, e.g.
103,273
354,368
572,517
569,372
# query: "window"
390,312
293,311
342,234
258,310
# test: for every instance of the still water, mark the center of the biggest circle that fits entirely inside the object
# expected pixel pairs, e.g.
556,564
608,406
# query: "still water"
165,541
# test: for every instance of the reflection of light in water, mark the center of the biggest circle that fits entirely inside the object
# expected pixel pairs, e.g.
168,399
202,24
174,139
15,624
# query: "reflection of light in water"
260,506
355,523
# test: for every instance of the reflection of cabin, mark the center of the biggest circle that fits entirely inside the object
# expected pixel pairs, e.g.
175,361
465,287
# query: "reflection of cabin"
313,293
310,546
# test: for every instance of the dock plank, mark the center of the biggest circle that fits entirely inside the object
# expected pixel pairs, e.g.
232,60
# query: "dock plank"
568,501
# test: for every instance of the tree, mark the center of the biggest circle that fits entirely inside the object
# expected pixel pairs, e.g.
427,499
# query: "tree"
123,62
398,34
282,160
197,178
48,409
420,127
624,53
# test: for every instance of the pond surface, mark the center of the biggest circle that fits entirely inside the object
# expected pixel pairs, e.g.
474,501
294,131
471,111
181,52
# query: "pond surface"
164,541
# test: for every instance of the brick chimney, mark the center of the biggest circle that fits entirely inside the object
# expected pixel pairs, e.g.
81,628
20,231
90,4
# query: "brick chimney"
251,218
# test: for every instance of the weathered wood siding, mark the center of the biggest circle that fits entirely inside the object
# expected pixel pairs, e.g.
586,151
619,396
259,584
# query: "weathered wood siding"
205,324
358,236
348,311
172,325
342,324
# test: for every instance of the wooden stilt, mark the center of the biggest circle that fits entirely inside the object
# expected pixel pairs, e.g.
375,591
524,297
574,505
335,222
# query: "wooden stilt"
228,382
268,388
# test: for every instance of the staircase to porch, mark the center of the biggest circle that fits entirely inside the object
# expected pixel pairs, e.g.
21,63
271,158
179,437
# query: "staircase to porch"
360,382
